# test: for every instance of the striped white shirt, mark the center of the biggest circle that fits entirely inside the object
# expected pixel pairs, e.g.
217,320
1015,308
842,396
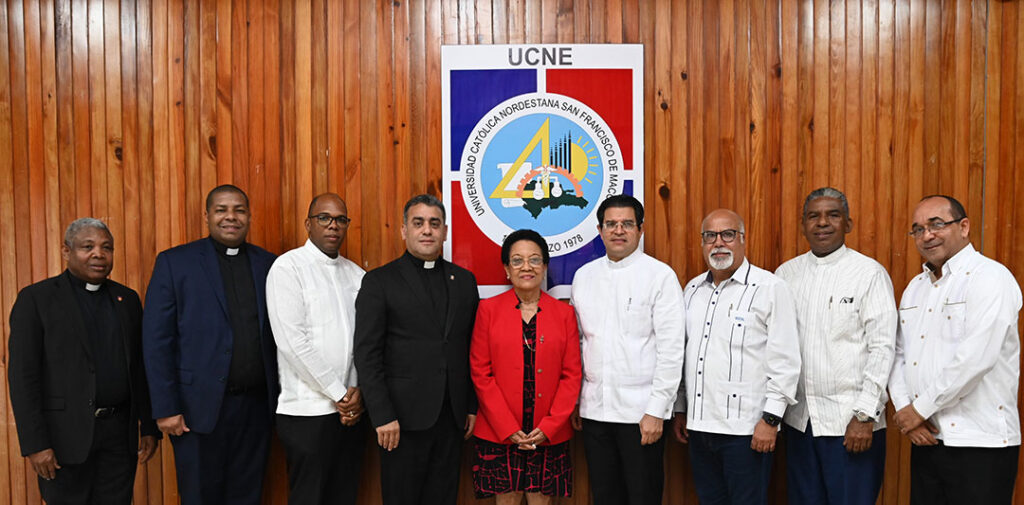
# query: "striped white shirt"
958,352
847,318
742,351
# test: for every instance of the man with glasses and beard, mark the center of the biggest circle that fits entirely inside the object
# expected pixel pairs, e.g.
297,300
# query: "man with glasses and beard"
955,377
742,367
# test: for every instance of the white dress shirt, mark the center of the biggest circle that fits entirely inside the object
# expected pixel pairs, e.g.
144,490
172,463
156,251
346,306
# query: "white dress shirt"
742,351
311,303
847,320
957,351
631,331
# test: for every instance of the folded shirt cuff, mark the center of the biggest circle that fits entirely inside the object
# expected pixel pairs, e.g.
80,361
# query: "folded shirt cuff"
925,407
776,407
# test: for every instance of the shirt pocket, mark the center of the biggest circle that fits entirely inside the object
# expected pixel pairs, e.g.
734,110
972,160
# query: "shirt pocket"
908,318
317,308
740,401
638,320
845,322
746,325
952,322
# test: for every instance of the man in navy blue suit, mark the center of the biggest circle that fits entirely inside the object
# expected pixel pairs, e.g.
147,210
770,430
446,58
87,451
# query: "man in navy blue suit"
210,356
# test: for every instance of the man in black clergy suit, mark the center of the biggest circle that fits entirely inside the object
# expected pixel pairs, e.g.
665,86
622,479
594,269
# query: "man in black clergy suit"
78,389
414,318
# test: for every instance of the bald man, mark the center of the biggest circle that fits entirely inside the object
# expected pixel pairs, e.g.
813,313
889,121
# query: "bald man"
741,368
956,373
311,300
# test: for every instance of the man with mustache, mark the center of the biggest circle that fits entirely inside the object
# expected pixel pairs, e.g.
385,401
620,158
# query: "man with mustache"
311,301
957,367
210,356
78,390
629,306
835,434
742,367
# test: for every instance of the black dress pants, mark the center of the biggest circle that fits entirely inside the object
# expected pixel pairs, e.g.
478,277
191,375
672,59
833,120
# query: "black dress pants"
623,472
943,475
105,478
324,458
424,468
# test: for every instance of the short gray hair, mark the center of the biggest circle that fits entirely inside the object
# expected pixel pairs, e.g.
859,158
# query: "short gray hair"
82,223
828,192
425,199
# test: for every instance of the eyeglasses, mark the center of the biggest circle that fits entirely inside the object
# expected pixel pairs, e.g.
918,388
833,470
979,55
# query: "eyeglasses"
628,225
728,236
932,226
519,261
325,220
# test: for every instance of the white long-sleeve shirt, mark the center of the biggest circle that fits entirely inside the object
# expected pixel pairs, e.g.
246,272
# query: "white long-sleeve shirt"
631,321
958,353
742,351
311,303
847,320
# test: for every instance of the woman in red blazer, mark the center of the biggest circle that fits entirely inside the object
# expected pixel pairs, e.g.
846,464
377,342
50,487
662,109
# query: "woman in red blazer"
525,364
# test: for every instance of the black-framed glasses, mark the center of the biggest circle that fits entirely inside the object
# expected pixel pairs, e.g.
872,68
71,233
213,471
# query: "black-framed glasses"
932,226
728,236
325,220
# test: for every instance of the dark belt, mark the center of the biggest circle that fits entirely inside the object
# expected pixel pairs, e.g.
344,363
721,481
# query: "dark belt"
108,412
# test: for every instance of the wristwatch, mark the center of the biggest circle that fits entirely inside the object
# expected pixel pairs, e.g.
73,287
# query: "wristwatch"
771,419
862,416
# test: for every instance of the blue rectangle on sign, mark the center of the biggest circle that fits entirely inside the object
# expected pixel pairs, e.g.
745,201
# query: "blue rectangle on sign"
474,92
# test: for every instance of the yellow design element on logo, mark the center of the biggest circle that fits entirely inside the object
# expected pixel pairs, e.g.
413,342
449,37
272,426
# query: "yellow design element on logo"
542,137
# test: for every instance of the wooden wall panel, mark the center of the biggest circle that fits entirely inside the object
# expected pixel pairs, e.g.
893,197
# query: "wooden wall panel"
130,110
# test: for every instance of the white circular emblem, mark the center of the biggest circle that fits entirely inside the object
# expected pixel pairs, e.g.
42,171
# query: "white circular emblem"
541,161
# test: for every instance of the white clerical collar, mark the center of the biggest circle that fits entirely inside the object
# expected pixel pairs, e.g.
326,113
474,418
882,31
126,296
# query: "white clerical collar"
92,287
231,251
428,265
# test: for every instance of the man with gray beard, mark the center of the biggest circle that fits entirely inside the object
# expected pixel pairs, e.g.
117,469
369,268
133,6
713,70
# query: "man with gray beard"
741,368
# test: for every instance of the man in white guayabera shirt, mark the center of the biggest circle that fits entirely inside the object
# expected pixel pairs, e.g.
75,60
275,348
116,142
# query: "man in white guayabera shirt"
835,434
311,296
954,380
630,308
742,367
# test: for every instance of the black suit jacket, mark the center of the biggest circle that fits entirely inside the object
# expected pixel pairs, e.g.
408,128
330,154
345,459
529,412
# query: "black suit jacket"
51,373
404,356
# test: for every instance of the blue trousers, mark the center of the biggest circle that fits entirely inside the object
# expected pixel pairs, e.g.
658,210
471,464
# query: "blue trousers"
226,467
820,471
726,471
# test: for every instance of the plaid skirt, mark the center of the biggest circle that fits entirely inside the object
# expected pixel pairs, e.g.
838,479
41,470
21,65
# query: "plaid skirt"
503,468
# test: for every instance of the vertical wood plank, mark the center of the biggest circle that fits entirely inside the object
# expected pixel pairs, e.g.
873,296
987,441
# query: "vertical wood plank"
222,141
11,463
257,28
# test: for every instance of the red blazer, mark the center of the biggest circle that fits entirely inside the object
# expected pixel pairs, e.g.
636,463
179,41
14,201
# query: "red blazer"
496,366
